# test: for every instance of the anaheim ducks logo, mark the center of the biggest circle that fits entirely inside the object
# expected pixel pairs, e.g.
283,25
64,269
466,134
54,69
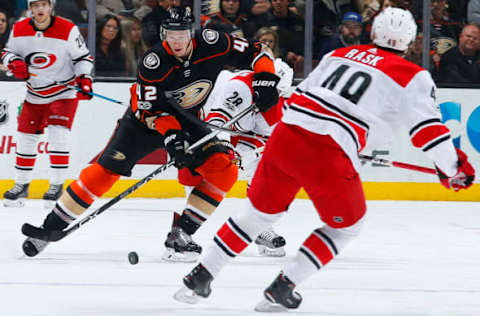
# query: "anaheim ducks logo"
191,95
117,155
39,60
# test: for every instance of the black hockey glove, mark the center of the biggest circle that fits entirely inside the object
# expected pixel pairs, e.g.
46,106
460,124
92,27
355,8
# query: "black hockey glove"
176,144
265,93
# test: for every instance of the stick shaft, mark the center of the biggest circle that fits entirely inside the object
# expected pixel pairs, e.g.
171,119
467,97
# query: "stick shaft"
388,163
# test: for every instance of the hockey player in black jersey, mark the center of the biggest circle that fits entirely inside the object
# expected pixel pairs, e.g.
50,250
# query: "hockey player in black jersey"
180,70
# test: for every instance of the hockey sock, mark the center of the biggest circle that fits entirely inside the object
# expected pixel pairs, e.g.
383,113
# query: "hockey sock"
318,250
57,219
26,155
58,140
191,220
235,235
94,181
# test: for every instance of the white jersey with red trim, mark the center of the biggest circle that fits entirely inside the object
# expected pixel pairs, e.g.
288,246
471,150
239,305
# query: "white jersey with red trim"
56,54
362,94
232,93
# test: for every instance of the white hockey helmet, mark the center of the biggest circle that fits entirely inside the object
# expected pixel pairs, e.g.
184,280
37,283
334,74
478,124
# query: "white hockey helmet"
394,28
29,2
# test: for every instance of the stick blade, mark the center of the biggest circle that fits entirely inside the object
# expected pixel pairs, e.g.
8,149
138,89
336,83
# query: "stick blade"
40,233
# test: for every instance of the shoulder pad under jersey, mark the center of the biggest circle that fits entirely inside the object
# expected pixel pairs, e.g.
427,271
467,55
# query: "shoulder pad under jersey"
155,65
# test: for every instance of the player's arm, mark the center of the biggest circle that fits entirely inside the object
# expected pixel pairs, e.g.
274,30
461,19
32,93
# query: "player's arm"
82,62
15,63
259,58
428,133
236,97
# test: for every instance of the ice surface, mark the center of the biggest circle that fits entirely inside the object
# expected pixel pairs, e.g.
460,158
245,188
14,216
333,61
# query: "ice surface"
412,259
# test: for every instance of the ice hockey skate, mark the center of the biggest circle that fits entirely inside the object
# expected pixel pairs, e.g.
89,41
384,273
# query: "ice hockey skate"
279,296
52,195
32,246
15,197
180,246
197,286
270,244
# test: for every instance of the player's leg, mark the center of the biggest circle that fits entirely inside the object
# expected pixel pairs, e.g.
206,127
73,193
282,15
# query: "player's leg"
269,243
30,128
59,121
130,142
269,195
326,182
218,175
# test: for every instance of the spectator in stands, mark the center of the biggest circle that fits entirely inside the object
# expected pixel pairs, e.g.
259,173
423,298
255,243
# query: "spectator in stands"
230,20
328,15
269,37
349,34
461,64
109,57
122,8
151,23
8,6
443,33
4,28
72,10
133,44
290,28
473,11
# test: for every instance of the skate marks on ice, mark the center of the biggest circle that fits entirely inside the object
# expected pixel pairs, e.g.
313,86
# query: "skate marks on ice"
411,259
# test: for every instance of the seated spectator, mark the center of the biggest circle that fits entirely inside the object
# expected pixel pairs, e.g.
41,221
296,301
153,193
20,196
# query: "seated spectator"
461,64
328,15
8,6
270,38
121,8
4,28
473,12
109,57
71,10
151,23
443,33
349,34
133,44
231,21
290,28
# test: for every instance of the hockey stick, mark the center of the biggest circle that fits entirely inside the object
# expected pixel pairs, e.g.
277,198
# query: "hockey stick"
185,113
93,94
388,163
55,235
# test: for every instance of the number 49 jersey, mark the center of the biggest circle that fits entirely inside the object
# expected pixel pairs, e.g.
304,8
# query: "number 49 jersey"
361,94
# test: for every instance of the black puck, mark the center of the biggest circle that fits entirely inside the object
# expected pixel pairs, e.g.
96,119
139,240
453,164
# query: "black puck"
133,257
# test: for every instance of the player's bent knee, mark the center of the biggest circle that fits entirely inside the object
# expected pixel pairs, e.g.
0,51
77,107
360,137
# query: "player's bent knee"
97,179
220,171
252,220
342,236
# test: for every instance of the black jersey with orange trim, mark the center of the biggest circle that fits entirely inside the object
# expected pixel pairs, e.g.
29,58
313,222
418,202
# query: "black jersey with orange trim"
161,76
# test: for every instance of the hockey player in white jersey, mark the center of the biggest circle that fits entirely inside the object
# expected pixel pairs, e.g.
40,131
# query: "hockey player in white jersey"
355,95
48,52
231,95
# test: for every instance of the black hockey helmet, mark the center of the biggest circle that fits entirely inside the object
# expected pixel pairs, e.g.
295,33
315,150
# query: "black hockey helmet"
178,18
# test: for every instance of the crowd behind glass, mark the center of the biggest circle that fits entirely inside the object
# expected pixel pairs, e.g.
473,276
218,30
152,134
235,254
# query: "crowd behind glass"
125,29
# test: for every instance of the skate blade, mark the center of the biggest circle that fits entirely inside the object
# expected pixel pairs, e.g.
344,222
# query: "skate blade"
265,306
185,295
49,204
269,252
14,203
173,256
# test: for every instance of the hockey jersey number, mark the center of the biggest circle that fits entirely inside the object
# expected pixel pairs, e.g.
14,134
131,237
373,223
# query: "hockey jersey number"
359,81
